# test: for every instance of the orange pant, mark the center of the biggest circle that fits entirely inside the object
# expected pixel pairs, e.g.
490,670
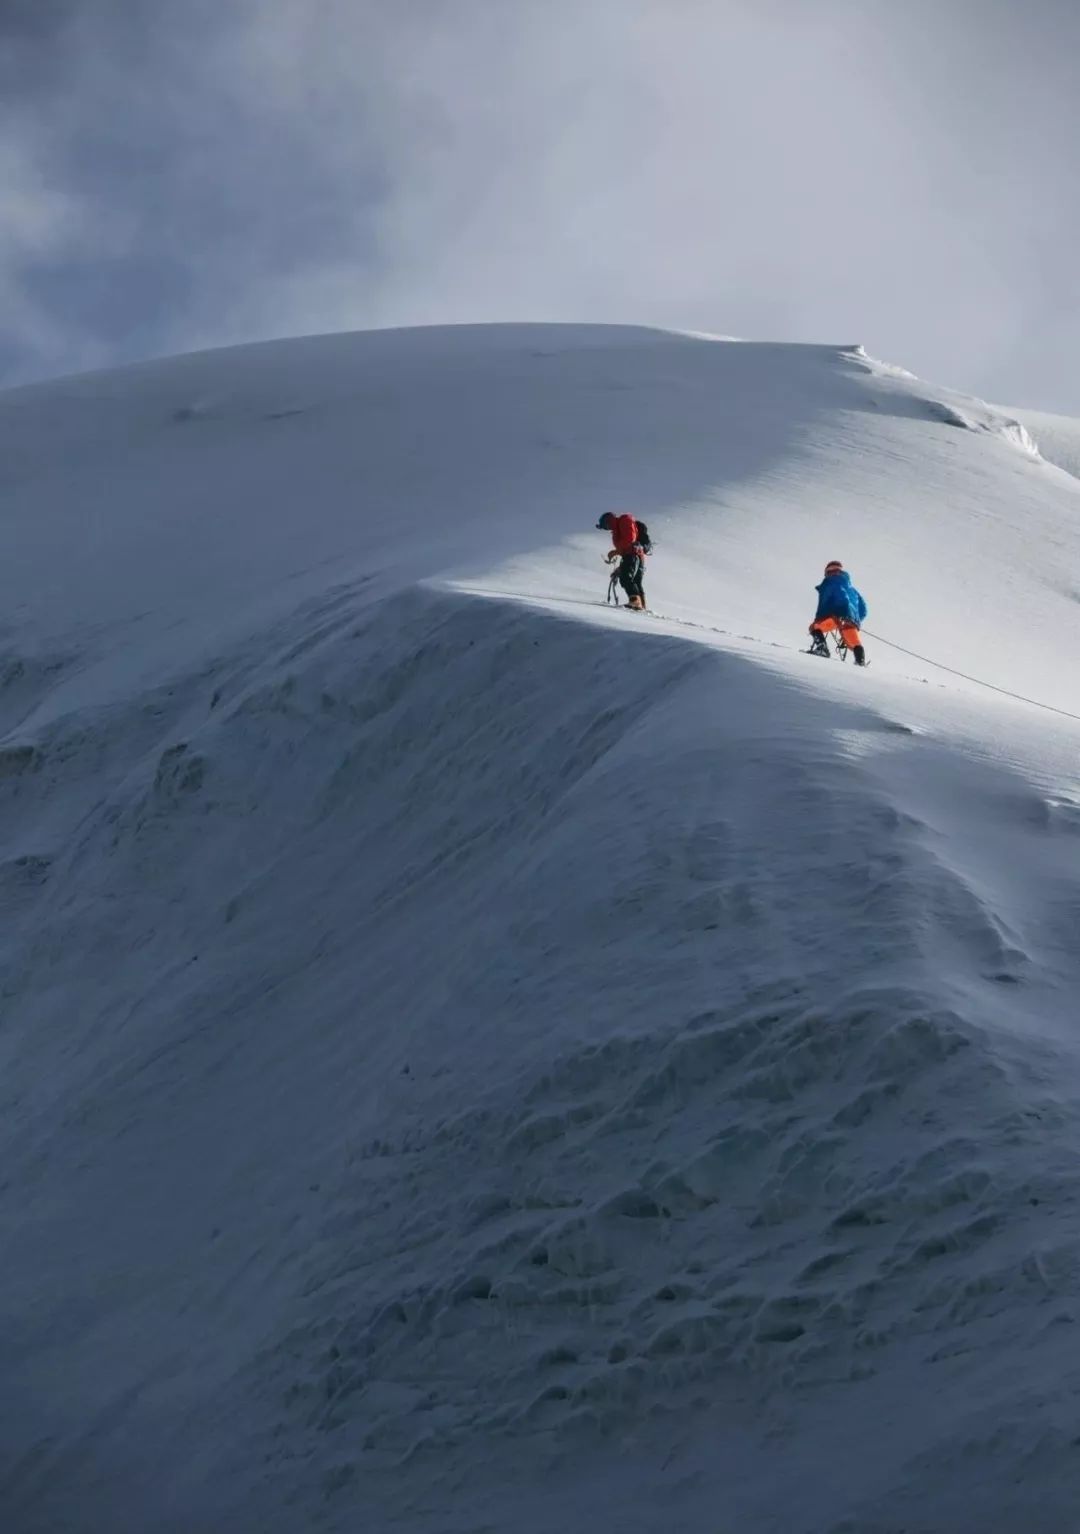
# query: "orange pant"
849,632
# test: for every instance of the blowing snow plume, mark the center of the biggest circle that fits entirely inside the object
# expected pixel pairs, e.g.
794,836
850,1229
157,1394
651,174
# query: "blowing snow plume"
477,1059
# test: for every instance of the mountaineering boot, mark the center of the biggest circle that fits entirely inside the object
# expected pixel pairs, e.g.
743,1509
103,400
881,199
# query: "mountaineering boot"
860,655
636,604
819,645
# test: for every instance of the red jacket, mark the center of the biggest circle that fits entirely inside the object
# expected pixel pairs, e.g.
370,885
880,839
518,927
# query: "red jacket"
624,533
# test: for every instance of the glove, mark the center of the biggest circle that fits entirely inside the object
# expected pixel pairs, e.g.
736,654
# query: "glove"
610,555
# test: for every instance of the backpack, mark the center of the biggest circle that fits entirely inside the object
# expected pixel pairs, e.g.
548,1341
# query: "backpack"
643,536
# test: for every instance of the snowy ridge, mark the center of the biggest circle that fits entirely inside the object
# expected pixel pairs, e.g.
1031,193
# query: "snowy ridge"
954,409
1058,435
482,1063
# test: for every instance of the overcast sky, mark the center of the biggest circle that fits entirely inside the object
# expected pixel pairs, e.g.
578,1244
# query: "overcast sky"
898,172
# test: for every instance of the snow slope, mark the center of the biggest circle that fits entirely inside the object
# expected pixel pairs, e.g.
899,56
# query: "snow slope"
472,1059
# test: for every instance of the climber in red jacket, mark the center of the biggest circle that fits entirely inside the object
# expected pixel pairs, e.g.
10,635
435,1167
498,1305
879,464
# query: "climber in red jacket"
629,543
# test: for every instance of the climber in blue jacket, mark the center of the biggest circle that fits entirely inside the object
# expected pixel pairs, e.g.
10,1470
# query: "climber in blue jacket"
839,607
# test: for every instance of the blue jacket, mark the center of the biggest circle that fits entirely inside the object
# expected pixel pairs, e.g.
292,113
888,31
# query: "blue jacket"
837,598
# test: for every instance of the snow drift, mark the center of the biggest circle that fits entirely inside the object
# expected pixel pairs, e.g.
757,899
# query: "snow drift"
472,1059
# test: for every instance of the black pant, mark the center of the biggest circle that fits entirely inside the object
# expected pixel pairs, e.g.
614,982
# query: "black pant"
632,575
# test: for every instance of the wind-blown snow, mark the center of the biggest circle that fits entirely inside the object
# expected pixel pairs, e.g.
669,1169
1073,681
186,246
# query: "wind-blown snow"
473,1059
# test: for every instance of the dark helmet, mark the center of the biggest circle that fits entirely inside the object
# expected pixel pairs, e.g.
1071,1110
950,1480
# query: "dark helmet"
834,567
605,521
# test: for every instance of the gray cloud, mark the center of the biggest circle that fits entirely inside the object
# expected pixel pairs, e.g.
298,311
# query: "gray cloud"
848,170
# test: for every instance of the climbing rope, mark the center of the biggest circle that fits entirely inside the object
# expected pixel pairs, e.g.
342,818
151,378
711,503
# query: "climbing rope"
928,661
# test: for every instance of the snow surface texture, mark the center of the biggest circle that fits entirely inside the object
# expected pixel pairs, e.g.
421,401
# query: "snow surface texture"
475,1060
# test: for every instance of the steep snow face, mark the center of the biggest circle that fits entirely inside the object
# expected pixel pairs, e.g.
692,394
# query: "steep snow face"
475,1059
